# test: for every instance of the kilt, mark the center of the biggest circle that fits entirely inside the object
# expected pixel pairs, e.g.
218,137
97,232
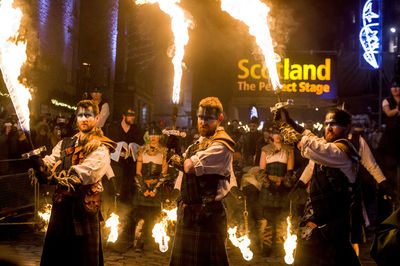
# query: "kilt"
73,236
200,236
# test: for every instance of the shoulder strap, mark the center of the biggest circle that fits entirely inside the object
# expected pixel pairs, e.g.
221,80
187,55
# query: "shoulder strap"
346,146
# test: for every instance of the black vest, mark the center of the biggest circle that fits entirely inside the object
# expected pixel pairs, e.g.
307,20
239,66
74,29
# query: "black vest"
66,157
394,121
199,189
330,195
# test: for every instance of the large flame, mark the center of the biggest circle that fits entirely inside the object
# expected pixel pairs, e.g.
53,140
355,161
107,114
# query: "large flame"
254,14
242,243
113,223
290,243
12,57
45,215
180,24
160,229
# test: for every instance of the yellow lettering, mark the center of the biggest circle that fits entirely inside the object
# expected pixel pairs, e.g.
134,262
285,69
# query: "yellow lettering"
326,68
309,68
264,73
326,88
286,64
252,71
296,72
302,86
243,68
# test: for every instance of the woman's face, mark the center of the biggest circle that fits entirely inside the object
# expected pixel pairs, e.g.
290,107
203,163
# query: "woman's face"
276,138
154,139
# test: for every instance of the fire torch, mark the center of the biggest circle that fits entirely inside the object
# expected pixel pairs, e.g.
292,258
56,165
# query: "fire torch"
12,57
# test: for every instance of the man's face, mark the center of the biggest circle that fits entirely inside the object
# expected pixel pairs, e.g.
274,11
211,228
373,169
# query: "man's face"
85,119
395,91
96,95
129,117
333,129
253,127
207,122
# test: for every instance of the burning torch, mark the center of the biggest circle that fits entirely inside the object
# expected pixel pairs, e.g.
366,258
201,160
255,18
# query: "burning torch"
254,13
12,57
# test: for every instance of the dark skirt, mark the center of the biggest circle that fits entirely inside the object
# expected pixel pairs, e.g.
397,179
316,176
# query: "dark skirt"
200,237
73,236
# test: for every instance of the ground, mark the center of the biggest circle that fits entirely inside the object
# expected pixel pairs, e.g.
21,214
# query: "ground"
26,246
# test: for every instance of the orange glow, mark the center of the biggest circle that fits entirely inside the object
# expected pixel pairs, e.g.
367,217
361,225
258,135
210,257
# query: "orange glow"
12,57
242,243
290,243
160,229
180,24
254,13
113,223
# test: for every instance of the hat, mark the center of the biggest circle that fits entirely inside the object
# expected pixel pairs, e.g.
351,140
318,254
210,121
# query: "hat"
254,120
155,131
395,83
96,88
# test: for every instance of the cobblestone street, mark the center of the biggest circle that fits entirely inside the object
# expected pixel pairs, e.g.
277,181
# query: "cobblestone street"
27,248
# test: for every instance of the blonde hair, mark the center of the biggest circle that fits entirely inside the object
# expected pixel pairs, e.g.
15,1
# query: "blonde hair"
211,102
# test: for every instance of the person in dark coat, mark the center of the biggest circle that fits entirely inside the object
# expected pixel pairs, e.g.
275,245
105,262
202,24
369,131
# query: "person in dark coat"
201,228
76,165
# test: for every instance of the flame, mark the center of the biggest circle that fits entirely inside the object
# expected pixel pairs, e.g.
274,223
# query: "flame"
45,215
180,23
242,243
113,223
12,57
254,14
290,243
160,229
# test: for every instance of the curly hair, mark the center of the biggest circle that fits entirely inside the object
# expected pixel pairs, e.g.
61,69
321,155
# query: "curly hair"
211,102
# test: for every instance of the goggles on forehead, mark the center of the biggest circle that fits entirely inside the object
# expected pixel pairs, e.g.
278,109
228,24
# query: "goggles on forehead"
333,124
208,114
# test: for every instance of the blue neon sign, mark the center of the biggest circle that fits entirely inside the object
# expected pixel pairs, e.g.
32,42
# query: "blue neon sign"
371,33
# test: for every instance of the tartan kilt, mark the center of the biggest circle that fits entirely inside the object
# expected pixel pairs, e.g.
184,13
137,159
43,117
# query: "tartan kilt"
200,242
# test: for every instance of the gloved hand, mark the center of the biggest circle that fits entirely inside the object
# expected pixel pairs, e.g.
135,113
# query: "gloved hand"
175,194
290,179
41,171
282,115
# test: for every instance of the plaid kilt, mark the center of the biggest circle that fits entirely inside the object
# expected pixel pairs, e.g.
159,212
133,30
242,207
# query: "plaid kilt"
200,236
73,236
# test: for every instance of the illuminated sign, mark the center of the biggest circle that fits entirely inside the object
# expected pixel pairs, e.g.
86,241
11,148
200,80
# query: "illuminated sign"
57,103
304,75
371,32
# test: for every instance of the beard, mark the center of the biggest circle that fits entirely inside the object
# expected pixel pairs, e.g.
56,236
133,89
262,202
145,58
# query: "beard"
207,130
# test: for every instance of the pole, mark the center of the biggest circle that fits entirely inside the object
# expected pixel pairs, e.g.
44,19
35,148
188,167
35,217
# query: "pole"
380,99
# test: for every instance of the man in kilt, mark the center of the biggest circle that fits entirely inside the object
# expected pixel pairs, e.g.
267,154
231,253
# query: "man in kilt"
208,176
76,166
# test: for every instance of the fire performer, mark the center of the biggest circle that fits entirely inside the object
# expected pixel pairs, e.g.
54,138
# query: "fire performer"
201,227
77,166
325,227
151,171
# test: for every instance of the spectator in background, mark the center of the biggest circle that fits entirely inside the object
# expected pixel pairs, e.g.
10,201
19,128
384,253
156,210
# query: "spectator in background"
250,141
264,140
390,141
42,137
97,97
